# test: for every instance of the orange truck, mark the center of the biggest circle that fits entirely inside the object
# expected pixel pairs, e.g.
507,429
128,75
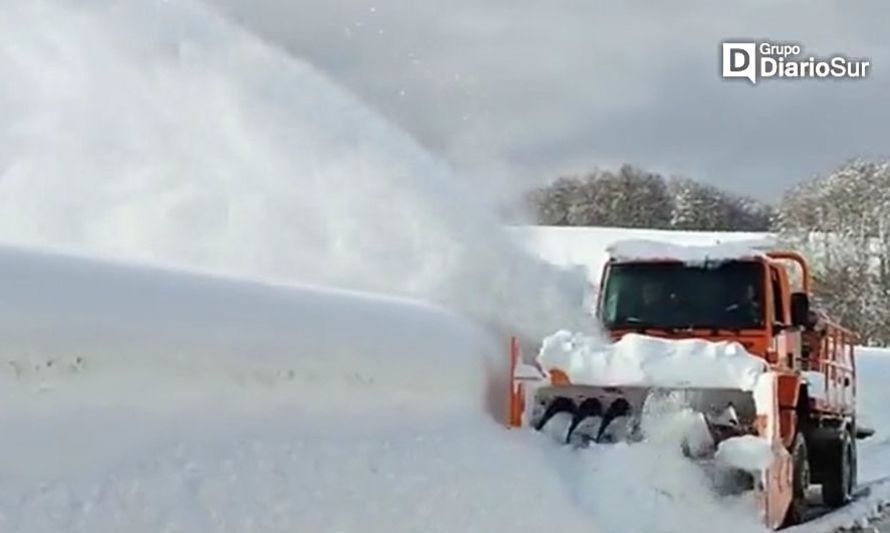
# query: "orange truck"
758,299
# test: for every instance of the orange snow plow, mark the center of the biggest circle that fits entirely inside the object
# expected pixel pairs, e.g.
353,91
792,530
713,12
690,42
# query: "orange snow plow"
749,304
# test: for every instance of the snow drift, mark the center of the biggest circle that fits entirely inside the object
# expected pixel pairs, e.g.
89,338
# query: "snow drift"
99,329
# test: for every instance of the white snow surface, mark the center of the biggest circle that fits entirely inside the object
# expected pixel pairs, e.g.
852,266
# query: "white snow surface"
630,250
143,400
650,361
586,248
87,329
747,452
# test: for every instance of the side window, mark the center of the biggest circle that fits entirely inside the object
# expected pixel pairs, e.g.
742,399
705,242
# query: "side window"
609,297
778,304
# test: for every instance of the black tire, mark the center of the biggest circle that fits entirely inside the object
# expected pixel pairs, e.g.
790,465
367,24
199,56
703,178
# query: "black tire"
800,482
840,476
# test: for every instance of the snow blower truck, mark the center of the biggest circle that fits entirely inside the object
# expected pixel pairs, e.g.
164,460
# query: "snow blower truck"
734,299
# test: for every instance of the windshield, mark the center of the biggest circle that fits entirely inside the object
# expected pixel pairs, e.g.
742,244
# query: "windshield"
675,295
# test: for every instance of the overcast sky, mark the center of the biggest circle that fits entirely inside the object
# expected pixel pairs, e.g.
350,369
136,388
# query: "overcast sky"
526,90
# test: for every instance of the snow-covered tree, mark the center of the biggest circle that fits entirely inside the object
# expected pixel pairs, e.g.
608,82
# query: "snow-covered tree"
635,198
842,222
553,204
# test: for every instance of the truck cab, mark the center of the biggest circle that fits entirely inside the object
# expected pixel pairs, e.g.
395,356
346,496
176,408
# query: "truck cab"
745,299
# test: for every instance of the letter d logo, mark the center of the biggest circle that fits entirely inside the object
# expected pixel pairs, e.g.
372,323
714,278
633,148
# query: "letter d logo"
740,61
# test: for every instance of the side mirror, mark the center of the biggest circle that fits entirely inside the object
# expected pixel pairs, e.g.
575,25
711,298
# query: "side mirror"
800,309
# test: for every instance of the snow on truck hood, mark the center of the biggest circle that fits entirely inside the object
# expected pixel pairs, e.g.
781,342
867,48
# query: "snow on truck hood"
641,360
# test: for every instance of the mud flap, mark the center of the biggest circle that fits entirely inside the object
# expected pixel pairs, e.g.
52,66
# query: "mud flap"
524,381
779,477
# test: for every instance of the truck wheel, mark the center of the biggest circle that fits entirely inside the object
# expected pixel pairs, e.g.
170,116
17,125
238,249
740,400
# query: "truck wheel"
800,482
840,479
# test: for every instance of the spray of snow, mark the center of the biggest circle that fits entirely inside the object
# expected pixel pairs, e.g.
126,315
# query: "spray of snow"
161,133
642,360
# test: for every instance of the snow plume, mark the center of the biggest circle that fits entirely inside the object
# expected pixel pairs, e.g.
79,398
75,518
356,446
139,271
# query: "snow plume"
159,132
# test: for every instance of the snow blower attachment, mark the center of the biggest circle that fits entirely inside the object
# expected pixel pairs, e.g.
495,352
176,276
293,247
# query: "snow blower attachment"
585,415
718,335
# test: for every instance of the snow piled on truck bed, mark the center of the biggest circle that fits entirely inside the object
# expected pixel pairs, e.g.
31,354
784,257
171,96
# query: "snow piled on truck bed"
641,360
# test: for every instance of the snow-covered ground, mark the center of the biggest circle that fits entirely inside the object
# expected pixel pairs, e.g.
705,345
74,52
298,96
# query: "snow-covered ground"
143,400
213,379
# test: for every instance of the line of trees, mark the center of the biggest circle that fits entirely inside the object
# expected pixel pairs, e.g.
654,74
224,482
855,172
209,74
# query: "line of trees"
840,220
634,198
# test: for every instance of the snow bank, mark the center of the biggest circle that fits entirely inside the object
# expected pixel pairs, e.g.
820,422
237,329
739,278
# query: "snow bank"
649,361
148,337
873,397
